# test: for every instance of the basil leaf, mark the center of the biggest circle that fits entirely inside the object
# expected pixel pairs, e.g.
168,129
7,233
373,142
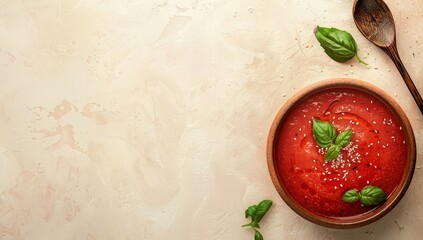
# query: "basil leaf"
343,138
338,44
261,210
250,211
257,235
372,195
324,133
351,196
333,152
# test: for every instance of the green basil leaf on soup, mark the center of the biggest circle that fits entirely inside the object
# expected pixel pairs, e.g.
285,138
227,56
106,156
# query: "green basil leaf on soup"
333,152
324,133
351,196
343,138
372,195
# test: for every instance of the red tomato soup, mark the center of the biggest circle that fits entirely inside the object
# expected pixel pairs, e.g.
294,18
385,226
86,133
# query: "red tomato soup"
375,156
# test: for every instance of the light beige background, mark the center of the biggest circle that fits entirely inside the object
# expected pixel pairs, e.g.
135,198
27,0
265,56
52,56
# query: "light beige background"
147,119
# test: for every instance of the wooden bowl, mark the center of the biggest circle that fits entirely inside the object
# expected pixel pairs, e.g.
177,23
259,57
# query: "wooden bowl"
350,221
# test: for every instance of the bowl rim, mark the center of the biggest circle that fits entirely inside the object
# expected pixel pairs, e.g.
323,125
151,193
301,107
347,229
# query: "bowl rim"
396,195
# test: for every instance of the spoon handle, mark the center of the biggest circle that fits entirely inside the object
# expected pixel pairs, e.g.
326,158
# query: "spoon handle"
393,54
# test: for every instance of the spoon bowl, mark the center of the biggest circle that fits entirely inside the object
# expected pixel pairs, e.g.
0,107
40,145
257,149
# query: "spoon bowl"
375,21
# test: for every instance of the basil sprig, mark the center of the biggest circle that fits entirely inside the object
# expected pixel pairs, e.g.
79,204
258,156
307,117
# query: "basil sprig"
256,213
325,134
369,196
338,44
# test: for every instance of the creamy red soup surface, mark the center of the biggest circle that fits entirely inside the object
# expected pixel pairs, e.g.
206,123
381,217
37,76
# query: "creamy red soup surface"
375,155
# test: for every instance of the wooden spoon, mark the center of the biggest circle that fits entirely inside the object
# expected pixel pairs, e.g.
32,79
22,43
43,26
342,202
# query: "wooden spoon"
375,21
